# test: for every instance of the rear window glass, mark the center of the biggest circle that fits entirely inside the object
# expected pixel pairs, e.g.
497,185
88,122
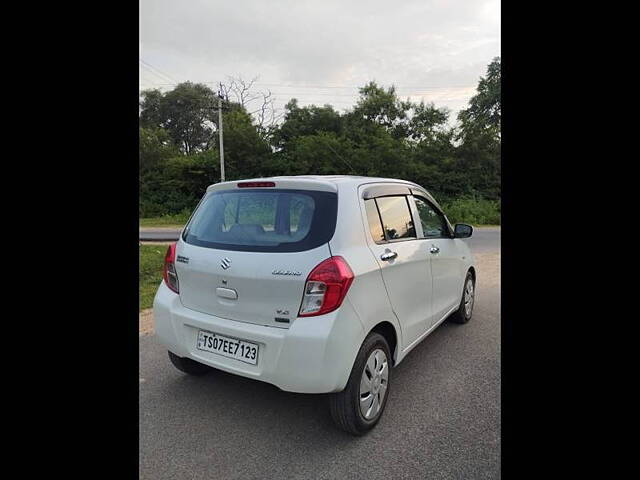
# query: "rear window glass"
396,217
274,220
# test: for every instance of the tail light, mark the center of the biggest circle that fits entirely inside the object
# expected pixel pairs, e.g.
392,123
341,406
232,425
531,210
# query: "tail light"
326,287
169,271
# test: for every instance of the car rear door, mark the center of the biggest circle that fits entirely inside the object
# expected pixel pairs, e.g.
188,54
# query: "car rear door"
246,253
405,268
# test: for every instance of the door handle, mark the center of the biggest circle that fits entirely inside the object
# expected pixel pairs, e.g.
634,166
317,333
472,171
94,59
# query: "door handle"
434,249
388,255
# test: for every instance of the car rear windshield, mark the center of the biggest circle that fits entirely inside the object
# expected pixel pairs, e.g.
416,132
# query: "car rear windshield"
258,220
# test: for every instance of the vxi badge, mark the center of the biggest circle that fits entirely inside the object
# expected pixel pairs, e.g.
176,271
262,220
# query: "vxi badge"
286,272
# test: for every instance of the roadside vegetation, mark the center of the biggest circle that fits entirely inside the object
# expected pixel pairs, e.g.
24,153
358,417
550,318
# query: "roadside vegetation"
381,135
177,220
150,272
471,210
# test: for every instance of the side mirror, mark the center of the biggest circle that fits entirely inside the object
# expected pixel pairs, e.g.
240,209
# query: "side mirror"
462,230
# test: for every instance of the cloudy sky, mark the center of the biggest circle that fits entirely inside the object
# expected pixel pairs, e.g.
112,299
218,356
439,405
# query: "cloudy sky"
321,51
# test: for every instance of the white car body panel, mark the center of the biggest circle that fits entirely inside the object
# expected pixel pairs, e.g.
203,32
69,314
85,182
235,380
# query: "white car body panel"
312,354
448,270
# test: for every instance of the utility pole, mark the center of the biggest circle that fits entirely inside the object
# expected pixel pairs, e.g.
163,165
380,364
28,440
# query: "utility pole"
220,134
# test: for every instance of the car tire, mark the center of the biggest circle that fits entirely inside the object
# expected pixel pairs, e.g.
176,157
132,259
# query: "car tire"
464,312
345,405
189,366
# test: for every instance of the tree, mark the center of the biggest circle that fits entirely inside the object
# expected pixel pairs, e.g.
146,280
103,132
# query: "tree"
188,113
479,154
245,150
484,112
384,108
155,151
155,148
427,122
301,121
259,103
382,136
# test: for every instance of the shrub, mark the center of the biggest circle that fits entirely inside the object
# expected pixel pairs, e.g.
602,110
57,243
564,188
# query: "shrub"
472,210
166,219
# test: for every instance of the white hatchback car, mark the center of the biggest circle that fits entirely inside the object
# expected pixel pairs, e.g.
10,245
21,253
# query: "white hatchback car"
315,284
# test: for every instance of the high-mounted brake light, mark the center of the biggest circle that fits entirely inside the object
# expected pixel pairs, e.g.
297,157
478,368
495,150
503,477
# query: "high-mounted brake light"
326,287
256,184
169,271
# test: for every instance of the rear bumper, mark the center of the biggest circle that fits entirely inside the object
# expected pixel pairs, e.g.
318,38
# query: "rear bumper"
314,355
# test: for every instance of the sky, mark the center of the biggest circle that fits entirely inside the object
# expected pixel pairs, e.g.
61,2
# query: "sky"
322,51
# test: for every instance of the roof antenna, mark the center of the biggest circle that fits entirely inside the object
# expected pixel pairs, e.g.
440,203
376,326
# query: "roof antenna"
340,157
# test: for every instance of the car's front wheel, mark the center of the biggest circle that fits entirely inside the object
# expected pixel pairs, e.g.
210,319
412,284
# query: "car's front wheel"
358,408
189,366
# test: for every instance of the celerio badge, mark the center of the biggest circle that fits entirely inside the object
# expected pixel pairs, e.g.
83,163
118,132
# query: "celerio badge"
286,272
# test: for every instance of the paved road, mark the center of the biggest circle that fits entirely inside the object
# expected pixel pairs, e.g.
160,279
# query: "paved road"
442,418
158,234
485,240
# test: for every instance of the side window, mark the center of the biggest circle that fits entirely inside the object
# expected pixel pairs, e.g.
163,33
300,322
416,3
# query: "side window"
375,227
396,217
433,223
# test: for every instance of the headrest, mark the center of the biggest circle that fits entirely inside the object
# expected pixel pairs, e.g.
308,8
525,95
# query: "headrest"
246,230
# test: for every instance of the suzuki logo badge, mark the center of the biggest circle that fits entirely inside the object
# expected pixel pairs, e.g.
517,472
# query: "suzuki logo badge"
225,263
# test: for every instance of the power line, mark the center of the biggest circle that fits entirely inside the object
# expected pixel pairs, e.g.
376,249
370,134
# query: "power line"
322,94
309,98
350,95
159,71
422,87
283,85
157,75
313,97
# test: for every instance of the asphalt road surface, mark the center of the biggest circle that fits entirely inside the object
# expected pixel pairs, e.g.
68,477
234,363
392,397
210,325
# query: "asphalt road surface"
158,234
442,418
485,240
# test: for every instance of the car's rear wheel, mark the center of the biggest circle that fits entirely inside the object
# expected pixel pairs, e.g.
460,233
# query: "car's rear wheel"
189,366
465,309
358,408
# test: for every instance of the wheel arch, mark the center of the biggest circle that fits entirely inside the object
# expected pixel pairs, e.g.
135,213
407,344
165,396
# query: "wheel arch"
472,270
388,331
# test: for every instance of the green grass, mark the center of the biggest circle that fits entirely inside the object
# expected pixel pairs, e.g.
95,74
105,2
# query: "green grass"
177,221
150,273
475,211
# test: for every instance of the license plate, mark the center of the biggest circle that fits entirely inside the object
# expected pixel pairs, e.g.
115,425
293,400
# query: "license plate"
228,347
